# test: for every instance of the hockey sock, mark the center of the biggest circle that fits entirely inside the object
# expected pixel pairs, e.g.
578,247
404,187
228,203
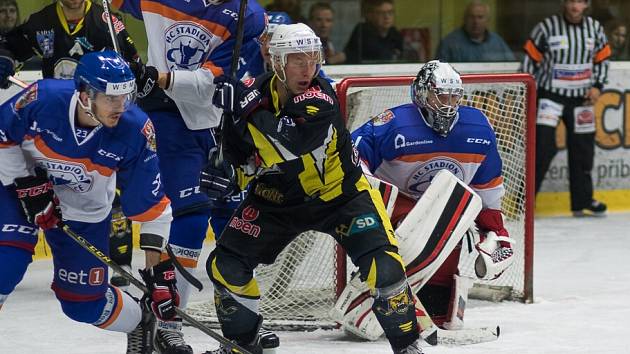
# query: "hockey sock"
187,234
14,263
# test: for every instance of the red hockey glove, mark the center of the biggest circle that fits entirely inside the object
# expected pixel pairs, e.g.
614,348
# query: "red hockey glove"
163,296
38,199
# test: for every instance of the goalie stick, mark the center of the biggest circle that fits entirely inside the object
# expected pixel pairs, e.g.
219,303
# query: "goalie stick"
434,335
140,285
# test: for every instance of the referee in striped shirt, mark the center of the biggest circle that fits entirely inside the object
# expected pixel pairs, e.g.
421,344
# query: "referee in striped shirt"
568,55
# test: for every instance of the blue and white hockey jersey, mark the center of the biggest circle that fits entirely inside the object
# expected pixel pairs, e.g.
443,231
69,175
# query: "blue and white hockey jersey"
399,147
37,128
194,40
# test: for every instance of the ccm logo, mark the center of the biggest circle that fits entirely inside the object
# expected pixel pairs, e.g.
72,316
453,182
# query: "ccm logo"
19,228
95,277
478,141
188,192
109,154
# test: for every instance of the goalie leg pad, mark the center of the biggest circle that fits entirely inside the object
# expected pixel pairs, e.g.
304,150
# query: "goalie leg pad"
459,299
435,226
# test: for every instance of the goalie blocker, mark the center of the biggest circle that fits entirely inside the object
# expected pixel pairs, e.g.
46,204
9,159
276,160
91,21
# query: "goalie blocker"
427,237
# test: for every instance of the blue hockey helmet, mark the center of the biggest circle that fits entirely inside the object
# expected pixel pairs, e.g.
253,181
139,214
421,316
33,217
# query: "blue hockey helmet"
275,19
105,72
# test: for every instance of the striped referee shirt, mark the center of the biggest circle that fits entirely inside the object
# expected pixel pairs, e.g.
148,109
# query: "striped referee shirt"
567,59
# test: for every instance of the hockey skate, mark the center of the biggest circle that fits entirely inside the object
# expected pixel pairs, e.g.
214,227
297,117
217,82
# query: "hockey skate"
413,348
171,340
267,344
140,340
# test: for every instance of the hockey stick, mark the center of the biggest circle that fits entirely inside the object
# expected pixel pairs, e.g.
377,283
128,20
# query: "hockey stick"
18,82
240,26
434,335
140,285
110,25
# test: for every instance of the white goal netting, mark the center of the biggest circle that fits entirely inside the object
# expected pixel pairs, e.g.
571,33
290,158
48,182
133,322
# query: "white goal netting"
300,288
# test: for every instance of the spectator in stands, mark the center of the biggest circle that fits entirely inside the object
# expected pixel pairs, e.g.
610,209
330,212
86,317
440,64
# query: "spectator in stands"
473,41
617,32
9,15
291,7
321,20
376,40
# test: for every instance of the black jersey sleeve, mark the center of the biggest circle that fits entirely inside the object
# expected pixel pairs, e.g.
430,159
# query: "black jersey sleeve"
18,43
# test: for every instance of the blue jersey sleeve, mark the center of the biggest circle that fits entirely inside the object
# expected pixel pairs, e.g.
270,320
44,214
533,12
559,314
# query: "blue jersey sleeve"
16,113
366,142
131,7
250,49
142,196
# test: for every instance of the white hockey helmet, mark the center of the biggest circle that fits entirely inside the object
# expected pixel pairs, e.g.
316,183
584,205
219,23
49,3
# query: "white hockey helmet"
437,92
295,38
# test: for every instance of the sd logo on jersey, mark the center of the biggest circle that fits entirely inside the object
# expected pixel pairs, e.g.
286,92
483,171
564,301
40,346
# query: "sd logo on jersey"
188,45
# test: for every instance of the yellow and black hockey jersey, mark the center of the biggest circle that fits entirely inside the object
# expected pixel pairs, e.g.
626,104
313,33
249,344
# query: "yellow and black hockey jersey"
61,44
298,152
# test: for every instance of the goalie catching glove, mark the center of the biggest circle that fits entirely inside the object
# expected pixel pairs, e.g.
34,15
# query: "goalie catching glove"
38,199
162,297
495,256
495,249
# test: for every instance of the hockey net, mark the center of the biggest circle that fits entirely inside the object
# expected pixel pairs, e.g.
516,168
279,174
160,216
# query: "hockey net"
300,288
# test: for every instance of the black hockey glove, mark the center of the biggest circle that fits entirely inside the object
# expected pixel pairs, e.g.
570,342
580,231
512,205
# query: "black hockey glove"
146,78
38,199
7,68
234,97
218,179
163,296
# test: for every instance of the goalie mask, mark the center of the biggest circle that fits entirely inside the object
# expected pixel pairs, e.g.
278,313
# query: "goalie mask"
296,38
437,92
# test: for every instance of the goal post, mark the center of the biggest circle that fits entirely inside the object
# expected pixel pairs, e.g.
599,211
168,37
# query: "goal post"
509,102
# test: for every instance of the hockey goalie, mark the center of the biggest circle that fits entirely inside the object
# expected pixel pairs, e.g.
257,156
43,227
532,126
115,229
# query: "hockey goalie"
443,159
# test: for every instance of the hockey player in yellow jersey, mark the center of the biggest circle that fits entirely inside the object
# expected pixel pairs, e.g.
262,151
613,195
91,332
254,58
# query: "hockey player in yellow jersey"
284,137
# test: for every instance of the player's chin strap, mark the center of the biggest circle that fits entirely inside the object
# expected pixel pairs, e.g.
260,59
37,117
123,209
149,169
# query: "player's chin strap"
88,108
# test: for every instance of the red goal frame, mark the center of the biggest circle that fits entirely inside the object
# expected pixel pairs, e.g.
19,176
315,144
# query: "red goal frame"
530,149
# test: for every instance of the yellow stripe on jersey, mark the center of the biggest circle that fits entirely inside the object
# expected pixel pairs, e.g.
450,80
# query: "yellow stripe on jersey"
249,290
371,277
269,153
363,184
323,173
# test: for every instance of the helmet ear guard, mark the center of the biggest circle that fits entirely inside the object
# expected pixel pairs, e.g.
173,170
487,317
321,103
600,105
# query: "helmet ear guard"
437,92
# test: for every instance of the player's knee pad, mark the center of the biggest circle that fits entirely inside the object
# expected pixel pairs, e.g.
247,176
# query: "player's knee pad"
231,272
84,311
381,268
15,261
